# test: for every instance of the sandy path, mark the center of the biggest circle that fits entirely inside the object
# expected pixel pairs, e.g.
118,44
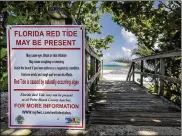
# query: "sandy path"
119,74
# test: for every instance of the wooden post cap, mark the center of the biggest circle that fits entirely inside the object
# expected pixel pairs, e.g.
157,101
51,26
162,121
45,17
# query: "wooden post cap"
56,12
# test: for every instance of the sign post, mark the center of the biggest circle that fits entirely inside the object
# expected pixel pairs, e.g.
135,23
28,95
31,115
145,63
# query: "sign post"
46,76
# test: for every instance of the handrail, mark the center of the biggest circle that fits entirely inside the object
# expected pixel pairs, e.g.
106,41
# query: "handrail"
160,55
95,71
161,76
91,52
95,68
88,48
92,79
95,64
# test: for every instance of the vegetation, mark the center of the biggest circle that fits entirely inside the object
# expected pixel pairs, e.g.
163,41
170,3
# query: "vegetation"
151,25
157,26
123,60
37,13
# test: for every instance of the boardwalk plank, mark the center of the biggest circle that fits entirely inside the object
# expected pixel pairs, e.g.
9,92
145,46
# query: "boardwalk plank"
126,103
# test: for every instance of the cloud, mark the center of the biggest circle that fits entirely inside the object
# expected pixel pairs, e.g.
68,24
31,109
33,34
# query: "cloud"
109,57
130,43
128,36
126,52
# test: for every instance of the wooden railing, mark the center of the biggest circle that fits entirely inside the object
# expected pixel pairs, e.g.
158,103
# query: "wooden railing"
159,60
92,75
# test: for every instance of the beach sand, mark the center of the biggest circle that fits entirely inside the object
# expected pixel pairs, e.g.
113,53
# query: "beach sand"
118,74
115,75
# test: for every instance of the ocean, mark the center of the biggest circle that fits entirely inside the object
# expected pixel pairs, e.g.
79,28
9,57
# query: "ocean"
112,67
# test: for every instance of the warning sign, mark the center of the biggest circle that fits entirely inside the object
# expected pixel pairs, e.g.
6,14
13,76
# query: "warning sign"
46,76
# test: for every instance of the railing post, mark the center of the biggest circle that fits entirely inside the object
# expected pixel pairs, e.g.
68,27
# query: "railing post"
92,73
128,75
130,71
86,66
86,79
162,72
97,70
156,79
133,71
102,68
141,76
60,19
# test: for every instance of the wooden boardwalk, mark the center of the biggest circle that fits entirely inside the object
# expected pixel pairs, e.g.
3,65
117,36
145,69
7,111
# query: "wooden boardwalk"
126,103
119,108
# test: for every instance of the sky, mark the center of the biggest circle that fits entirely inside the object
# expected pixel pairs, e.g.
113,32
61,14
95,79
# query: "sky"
124,41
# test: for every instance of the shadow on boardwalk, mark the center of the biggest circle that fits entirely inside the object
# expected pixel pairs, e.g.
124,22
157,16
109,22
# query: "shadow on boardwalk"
118,108
124,108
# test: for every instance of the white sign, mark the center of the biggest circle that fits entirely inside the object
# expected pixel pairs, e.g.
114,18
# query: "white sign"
46,76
